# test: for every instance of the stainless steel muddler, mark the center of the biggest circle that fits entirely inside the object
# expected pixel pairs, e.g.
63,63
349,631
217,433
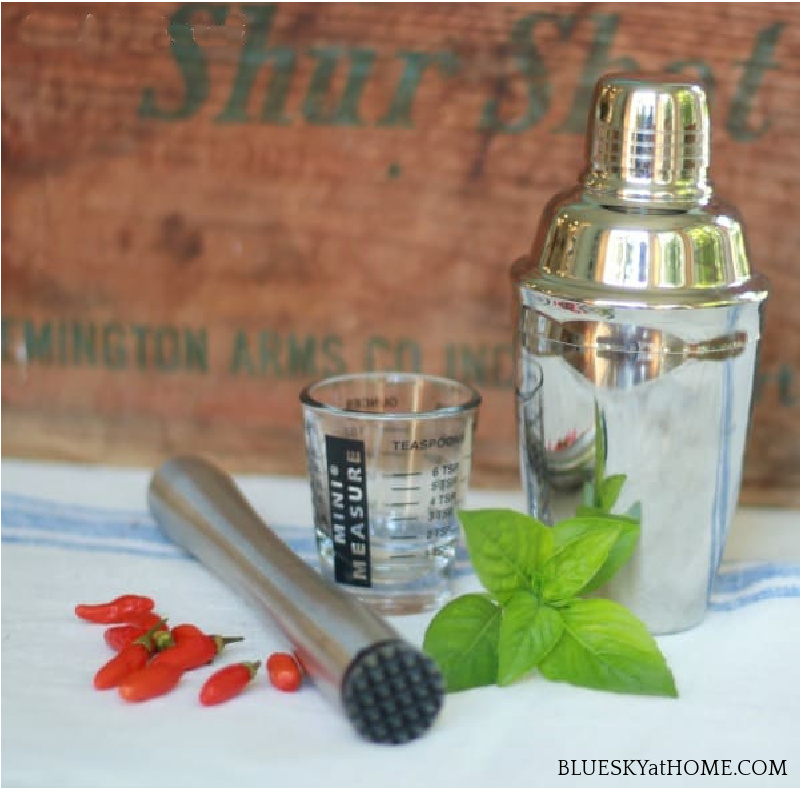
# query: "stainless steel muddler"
389,690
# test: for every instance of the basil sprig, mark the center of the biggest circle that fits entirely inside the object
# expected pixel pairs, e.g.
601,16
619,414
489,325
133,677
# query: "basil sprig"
533,615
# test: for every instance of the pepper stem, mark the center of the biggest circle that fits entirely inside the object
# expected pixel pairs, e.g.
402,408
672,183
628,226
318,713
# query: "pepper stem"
252,667
221,641
147,640
163,640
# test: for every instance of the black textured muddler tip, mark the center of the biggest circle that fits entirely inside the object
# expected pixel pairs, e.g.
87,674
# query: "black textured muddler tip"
392,692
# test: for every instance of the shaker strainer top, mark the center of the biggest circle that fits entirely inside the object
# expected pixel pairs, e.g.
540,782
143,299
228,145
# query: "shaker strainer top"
642,228
649,140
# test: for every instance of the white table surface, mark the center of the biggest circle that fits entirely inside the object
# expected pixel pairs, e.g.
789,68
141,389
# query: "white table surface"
738,673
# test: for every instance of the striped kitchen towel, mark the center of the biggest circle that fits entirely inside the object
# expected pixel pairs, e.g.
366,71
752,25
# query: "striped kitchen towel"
39,522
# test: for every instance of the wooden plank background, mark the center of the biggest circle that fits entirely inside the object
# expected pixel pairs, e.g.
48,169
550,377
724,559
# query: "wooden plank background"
205,207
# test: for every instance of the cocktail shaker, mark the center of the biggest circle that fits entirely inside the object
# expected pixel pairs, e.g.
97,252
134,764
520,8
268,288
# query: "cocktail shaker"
638,319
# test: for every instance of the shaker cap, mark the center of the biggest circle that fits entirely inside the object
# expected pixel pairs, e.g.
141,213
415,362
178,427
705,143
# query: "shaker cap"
648,141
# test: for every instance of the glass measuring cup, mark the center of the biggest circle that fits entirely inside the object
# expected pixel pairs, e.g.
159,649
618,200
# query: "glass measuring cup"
389,459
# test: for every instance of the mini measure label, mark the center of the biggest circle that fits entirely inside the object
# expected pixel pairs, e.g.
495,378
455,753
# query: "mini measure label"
347,487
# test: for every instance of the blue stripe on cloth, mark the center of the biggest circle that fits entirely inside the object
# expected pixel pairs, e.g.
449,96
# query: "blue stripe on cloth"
731,581
41,518
779,592
66,544
138,529
42,523
47,506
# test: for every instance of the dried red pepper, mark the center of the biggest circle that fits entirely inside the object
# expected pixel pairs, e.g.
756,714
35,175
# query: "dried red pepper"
284,672
122,635
227,683
132,658
146,619
193,652
149,682
185,632
118,611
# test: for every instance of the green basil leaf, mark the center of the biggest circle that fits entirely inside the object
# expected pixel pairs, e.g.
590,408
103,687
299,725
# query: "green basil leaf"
604,646
610,490
528,631
463,638
505,548
621,551
580,550
619,555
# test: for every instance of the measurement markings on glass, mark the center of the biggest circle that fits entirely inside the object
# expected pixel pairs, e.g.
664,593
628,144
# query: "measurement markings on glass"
403,489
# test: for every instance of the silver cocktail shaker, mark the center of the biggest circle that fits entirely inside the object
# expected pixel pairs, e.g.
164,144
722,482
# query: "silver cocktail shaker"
637,326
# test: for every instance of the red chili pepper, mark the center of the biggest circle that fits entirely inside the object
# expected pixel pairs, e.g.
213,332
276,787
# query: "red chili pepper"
122,635
132,658
194,652
227,683
284,672
184,632
146,619
118,611
179,634
149,682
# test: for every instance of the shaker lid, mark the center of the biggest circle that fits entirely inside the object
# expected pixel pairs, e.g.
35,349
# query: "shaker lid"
648,141
643,227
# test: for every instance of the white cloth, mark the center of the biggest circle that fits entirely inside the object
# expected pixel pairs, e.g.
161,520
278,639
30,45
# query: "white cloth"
72,534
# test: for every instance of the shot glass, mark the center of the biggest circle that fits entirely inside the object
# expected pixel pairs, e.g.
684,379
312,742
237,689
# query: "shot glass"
389,458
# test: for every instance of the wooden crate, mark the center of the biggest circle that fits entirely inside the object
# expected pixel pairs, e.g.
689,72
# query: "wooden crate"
204,207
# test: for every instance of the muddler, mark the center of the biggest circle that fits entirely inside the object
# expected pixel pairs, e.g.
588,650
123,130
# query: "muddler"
389,690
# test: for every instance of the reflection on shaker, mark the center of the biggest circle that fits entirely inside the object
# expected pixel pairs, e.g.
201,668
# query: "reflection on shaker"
533,452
